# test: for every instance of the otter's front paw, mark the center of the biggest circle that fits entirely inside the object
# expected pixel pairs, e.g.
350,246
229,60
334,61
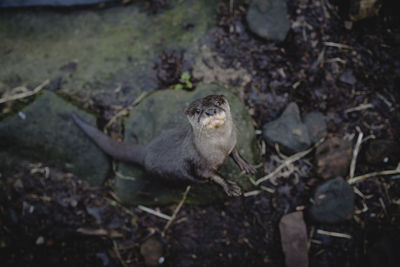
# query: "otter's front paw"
247,168
232,189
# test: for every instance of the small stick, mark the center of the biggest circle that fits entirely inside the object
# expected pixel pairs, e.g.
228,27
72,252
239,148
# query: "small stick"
252,193
355,153
372,174
124,110
25,94
286,163
337,45
323,232
155,213
116,250
359,108
176,210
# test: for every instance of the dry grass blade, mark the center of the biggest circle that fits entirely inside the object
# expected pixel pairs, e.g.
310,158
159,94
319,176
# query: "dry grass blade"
25,94
177,209
116,251
155,213
337,45
355,153
359,108
373,174
124,111
286,163
323,232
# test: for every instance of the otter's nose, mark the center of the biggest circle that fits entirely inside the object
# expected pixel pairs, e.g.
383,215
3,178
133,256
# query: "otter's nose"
211,111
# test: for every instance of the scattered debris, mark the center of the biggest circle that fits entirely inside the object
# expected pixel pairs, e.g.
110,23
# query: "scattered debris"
25,94
286,163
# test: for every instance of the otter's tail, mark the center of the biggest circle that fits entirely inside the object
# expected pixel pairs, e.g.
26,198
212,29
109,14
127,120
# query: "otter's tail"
118,150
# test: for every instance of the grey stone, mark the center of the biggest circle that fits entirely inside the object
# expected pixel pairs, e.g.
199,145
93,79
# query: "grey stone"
268,19
316,125
294,239
164,110
45,132
291,133
333,201
288,131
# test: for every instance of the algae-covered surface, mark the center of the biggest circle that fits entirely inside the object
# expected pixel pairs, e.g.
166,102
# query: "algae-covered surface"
97,50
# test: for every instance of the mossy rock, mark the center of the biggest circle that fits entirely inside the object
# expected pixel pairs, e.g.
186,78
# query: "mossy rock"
164,110
44,132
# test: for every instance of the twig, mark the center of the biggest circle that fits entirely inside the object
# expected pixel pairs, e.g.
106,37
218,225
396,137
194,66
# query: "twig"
124,110
359,108
355,153
383,206
116,250
25,94
372,174
335,234
252,193
155,213
286,163
337,45
176,210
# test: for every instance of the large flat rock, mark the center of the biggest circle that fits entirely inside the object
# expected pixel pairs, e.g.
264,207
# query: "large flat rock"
44,132
95,51
164,110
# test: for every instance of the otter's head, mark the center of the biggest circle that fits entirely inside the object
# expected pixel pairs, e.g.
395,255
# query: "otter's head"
210,112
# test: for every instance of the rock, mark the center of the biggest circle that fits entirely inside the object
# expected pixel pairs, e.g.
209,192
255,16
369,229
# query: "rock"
164,110
291,134
268,19
46,133
362,9
333,158
288,131
294,239
316,126
104,54
382,152
152,251
348,77
333,201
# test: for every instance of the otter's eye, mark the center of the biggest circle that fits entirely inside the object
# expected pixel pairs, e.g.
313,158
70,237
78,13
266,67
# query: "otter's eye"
218,102
197,110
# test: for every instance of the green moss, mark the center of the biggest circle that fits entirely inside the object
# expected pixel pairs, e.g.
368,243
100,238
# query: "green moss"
36,44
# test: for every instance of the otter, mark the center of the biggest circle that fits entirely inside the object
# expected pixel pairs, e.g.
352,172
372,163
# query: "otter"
190,154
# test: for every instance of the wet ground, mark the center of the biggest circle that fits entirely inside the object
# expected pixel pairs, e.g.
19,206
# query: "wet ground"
49,217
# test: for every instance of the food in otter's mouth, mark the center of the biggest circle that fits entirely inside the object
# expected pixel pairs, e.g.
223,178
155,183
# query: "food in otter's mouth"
186,154
215,121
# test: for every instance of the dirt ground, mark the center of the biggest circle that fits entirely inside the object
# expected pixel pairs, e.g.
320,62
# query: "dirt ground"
52,218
